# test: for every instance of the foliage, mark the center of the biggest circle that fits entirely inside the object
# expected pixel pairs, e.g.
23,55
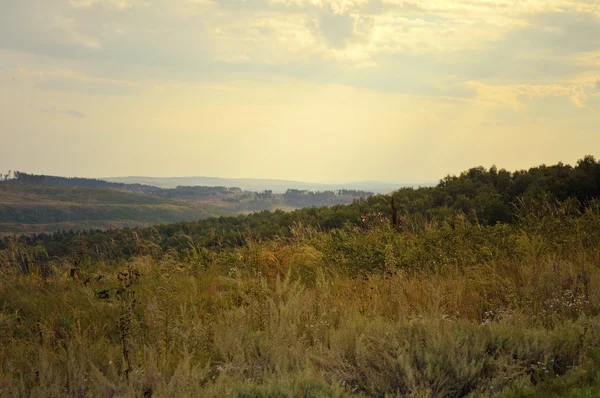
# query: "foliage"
481,196
320,302
440,309
39,203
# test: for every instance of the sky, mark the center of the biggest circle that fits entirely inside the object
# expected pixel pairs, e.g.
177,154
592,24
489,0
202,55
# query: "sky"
311,90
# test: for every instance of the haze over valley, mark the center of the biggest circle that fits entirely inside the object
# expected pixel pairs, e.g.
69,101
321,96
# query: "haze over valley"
277,186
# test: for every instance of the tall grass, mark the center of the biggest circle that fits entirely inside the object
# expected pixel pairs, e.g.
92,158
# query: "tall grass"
435,309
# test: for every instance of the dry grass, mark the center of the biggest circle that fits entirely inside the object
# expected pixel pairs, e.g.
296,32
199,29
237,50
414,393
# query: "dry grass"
296,317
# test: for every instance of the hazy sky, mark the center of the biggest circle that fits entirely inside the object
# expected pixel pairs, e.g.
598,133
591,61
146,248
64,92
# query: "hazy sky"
398,90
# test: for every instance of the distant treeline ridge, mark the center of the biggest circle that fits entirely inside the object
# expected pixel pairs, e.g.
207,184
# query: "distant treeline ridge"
484,196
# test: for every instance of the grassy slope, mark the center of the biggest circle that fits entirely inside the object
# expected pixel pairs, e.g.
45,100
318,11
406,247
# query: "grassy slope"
35,208
438,310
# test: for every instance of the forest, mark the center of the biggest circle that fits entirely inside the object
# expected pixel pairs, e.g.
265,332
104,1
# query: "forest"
486,285
483,196
294,197
32,204
40,179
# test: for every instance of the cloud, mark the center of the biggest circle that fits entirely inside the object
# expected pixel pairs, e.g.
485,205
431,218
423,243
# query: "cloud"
68,80
67,112
384,45
547,48
563,32
89,87
336,29
598,84
116,4
519,96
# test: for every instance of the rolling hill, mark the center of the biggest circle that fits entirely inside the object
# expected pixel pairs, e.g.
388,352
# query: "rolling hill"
32,203
30,208
258,184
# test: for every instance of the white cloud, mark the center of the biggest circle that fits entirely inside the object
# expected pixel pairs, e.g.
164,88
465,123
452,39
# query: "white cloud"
517,96
71,28
343,33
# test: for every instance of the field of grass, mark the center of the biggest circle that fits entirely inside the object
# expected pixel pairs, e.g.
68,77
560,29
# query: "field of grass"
427,309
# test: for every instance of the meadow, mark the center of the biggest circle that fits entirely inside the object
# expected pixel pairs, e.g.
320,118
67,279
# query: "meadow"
421,308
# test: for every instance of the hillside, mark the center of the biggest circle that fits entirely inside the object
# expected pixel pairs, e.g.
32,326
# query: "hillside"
258,185
33,208
32,203
483,196
487,285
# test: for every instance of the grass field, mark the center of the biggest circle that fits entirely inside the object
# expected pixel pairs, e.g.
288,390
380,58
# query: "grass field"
436,309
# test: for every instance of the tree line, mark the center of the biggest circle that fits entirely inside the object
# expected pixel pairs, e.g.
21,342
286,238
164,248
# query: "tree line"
486,196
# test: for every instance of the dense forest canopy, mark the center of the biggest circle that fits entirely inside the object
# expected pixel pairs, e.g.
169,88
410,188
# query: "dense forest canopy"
487,196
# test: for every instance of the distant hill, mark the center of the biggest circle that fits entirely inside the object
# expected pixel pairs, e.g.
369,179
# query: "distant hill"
32,203
257,185
43,179
486,197
32,208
